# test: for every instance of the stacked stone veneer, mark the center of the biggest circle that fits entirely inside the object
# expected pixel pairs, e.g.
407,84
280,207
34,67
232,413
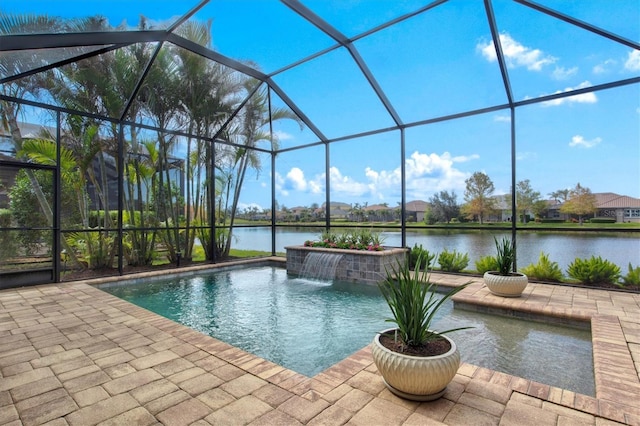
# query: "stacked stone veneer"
355,265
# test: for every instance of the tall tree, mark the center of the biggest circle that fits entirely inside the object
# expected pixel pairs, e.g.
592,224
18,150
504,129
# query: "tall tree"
560,195
477,195
526,198
444,206
249,128
540,208
210,92
581,202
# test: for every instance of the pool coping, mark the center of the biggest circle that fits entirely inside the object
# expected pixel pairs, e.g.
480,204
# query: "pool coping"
614,319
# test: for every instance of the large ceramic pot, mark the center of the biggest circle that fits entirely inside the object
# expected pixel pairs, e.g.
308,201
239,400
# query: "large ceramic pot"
505,285
413,377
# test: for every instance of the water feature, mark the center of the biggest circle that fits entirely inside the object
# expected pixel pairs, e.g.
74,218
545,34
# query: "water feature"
320,265
309,325
562,247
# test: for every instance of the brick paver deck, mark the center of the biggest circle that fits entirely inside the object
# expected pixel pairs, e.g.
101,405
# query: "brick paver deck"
71,354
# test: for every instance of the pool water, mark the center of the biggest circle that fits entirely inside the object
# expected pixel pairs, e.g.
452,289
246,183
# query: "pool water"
287,320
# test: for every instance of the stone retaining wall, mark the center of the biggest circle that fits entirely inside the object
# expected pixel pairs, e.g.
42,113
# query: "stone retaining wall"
355,265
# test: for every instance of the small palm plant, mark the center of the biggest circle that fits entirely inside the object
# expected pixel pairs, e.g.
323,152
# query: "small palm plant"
414,303
504,281
505,255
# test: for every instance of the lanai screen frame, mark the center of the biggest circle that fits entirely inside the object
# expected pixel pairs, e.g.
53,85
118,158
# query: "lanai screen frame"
116,39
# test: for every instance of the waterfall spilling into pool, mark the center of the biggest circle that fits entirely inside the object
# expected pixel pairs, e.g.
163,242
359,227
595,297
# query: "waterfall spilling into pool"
362,266
320,265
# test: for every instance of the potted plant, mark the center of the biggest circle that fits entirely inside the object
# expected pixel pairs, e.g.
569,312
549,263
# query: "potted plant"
415,361
505,282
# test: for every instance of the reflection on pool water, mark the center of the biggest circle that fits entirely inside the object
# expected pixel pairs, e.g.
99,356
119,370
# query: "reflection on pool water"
307,326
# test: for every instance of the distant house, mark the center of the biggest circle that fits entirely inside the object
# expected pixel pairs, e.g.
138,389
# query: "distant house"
622,208
337,210
382,213
416,210
501,211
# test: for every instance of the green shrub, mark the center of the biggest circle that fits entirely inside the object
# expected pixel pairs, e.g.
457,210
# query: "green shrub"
453,261
594,271
358,239
632,278
5,218
486,263
26,211
544,270
96,218
602,220
328,237
552,220
418,252
8,244
344,238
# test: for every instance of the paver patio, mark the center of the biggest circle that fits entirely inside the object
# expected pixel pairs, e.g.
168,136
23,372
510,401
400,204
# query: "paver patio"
71,354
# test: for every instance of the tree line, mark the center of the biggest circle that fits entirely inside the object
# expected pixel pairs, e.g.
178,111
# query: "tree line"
170,196
443,207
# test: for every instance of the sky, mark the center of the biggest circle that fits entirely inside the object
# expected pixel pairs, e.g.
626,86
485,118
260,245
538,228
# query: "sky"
435,64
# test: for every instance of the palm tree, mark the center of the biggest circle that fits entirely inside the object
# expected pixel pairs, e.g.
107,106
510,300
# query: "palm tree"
248,131
209,93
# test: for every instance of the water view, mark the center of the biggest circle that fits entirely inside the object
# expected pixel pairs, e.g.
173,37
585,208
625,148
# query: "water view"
562,247
308,325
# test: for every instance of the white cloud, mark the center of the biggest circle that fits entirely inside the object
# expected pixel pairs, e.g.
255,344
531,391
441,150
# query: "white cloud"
604,67
633,61
426,174
561,73
295,179
280,185
247,206
346,185
282,136
586,98
429,173
516,54
502,118
581,142
464,158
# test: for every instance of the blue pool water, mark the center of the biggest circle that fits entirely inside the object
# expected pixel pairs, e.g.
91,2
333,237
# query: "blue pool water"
287,320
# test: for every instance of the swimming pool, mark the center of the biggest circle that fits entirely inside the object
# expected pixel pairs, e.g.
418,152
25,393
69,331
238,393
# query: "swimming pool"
287,320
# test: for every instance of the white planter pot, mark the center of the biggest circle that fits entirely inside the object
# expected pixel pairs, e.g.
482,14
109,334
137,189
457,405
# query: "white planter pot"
505,285
412,377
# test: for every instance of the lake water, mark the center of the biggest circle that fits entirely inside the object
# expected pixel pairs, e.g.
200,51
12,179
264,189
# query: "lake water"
562,247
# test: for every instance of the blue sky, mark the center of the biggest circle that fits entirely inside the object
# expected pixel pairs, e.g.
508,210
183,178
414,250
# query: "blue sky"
437,63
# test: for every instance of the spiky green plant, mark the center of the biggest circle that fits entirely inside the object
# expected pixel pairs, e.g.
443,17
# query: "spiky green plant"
505,255
416,252
414,303
545,269
453,261
632,278
594,270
